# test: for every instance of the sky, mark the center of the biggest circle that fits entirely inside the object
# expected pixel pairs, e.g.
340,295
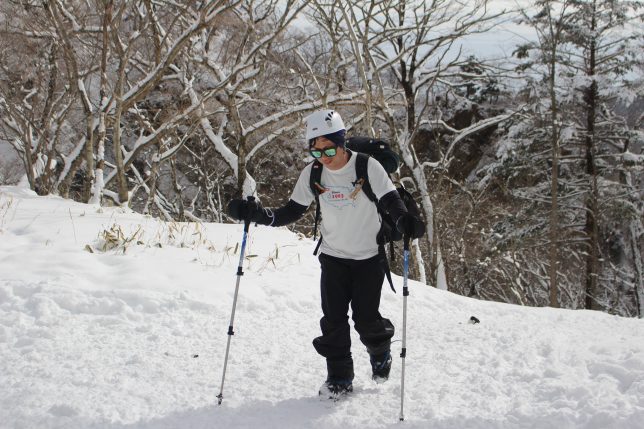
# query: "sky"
502,39
111,319
498,42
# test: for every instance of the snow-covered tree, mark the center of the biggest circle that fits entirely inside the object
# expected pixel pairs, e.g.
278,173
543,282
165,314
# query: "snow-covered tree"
572,139
35,103
603,33
401,51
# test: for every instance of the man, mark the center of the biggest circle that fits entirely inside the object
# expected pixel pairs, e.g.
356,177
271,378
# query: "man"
352,268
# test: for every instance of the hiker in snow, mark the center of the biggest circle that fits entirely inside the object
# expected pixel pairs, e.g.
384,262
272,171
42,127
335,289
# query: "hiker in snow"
353,262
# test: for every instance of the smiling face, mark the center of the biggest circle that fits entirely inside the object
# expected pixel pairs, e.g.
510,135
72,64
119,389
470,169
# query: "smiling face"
331,162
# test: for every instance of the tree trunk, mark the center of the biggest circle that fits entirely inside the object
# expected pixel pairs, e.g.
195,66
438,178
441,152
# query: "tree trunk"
410,107
363,64
116,138
48,141
29,161
177,188
154,175
241,168
96,180
242,150
636,231
591,228
118,155
89,161
554,209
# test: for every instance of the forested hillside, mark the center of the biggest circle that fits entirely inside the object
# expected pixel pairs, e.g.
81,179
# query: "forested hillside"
528,168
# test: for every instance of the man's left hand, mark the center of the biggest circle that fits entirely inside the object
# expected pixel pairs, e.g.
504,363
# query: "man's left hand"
410,226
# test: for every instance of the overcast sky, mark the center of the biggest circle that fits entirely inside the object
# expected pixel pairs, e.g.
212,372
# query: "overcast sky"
499,42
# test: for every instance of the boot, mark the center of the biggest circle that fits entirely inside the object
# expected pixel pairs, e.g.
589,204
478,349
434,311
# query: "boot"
334,388
380,367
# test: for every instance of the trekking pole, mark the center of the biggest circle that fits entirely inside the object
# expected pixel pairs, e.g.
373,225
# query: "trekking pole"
240,273
403,353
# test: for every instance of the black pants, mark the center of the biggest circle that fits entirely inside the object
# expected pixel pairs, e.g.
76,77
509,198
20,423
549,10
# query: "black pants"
359,283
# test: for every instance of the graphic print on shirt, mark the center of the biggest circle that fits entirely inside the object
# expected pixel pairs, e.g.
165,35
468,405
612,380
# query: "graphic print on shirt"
338,196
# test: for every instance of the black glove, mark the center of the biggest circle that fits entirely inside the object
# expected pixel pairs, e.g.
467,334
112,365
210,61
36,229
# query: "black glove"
249,210
410,226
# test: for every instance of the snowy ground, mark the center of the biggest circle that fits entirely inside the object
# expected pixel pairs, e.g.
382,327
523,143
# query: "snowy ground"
136,340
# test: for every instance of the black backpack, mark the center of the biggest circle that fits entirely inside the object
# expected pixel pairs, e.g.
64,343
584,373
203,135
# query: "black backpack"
380,150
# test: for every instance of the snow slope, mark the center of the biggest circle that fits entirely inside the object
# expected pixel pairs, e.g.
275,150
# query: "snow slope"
136,340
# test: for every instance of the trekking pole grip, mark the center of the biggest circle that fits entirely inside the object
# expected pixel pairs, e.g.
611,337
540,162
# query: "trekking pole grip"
249,215
247,221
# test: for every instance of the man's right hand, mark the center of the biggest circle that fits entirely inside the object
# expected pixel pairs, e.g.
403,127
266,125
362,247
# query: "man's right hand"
249,210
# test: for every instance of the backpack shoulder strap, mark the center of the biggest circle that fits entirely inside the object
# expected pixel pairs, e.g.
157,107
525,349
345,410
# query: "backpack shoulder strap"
317,189
362,173
362,177
315,178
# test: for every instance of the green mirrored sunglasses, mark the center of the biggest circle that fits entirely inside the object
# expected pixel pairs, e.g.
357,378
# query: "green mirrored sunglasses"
329,152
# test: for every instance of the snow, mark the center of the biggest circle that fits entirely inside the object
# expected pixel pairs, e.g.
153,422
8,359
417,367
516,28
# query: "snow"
633,158
135,336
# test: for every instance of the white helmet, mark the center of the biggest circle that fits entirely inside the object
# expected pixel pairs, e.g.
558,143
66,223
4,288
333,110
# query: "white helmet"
323,122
